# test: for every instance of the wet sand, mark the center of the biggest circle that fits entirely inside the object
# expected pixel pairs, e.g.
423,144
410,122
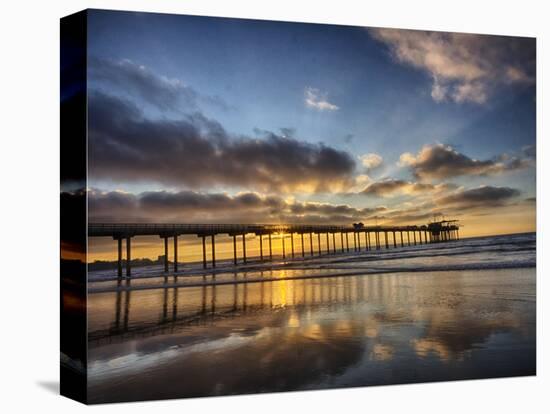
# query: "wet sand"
314,333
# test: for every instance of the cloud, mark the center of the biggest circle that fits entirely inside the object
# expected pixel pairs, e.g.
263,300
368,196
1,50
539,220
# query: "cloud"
327,209
196,152
288,132
184,206
315,99
403,217
481,199
484,196
530,151
443,161
463,67
191,206
139,81
251,207
391,186
371,161
417,212
385,187
362,179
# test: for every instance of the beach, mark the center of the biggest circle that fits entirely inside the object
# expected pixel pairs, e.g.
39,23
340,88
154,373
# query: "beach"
448,311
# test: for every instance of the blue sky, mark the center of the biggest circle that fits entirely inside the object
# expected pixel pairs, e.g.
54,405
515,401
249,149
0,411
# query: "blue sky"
356,90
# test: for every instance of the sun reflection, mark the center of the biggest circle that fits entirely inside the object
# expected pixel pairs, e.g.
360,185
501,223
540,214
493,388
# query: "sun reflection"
314,330
293,320
343,327
283,287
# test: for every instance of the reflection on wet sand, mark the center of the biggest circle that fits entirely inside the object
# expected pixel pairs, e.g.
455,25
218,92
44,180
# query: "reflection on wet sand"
310,334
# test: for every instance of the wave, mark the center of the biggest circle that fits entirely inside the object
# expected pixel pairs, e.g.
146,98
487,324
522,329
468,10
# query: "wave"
499,252
323,273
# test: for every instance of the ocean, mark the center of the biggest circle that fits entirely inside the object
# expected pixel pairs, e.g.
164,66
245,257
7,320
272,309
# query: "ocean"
464,309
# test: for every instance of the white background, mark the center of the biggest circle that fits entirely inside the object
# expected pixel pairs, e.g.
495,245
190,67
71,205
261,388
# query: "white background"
29,194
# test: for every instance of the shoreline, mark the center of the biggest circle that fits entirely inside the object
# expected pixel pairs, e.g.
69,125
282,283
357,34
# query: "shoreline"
212,282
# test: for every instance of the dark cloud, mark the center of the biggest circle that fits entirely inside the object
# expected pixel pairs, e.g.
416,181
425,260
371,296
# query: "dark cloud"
141,82
190,206
321,219
400,217
168,202
485,196
381,188
391,186
158,204
197,152
331,209
443,161
114,202
407,213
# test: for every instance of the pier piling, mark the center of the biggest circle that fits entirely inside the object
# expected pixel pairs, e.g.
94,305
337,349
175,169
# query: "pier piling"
175,253
203,252
262,247
213,241
244,248
128,257
235,250
119,262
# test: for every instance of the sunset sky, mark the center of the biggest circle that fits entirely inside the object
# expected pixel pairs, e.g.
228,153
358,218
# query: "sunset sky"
195,119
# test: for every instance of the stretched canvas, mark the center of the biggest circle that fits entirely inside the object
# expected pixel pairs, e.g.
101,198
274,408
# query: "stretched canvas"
257,206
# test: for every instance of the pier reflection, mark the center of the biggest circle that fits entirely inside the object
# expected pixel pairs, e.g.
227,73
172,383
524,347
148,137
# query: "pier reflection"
167,308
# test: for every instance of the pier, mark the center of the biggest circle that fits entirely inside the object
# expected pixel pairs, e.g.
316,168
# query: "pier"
356,237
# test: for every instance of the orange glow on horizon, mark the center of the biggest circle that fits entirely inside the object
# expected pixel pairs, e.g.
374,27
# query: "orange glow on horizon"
518,219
